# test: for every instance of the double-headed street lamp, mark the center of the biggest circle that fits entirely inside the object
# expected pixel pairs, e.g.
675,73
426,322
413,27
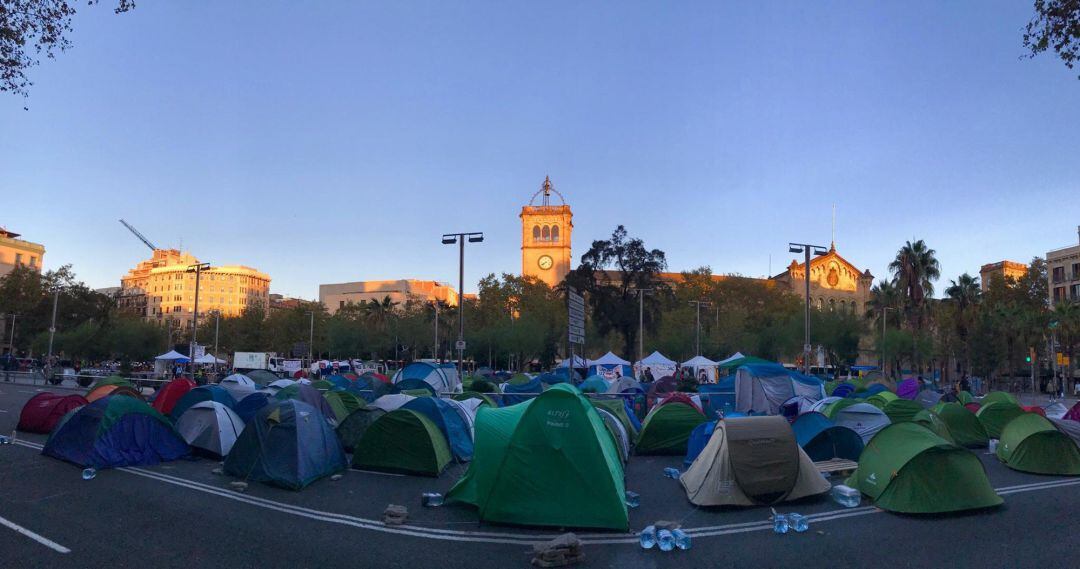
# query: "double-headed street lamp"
460,238
197,268
697,319
816,250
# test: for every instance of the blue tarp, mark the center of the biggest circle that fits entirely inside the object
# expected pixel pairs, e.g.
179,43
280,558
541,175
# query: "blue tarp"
699,437
843,390
451,424
249,406
824,440
288,444
132,439
198,395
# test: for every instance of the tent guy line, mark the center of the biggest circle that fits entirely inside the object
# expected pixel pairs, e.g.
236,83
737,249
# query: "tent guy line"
509,538
34,536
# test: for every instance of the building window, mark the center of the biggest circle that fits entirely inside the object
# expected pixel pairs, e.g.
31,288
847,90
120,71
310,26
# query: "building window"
1059,293
1075,271
832,304
546,234
536,233
341,304
1075,291
555,233
33,261
1059,274
18,258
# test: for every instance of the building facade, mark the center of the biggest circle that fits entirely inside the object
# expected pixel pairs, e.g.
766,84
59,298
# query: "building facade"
1063,273
162,289
545,237
15,252
835,283
1007,269
335,296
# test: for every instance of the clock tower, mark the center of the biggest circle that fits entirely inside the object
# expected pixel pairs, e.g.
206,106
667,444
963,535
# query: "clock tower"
545,237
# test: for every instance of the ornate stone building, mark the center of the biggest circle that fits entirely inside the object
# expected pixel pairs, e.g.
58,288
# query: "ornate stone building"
1007,269
835,283
545,237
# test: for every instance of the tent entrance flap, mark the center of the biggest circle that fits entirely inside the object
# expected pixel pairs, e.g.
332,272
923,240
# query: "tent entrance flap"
764,457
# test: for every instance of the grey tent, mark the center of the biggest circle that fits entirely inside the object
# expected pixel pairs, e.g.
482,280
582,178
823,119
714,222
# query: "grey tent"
750,461
210,426
618,433
928,398
863,418
1071,428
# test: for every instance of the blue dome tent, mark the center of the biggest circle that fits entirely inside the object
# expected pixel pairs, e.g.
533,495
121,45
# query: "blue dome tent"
449,421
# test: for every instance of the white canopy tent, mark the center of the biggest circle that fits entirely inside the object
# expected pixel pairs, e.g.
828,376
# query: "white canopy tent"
731,358
701,364
209,359
657,364
172,356
609,359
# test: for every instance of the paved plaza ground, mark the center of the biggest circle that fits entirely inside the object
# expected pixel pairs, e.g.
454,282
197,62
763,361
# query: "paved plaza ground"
180,514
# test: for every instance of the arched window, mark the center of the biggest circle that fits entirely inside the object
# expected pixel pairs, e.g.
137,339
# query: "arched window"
843,307
536,233
554,232
854,307
821,303
547,233
832,304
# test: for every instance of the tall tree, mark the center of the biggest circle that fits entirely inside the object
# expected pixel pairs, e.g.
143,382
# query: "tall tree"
1055,25
611,272
915,269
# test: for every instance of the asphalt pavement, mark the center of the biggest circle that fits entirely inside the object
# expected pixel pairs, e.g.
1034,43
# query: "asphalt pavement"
180,514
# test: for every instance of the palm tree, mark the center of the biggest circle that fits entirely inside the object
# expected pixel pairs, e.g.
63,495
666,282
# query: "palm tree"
965,294
915,269
1067,316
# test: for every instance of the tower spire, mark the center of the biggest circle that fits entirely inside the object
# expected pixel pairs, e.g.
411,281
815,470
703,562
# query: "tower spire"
547,190
832,242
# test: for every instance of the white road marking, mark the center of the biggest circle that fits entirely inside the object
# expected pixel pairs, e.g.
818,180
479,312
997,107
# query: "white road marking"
515,538
36,537
373,472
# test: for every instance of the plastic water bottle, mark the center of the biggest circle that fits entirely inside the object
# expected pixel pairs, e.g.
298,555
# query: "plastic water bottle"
666,540
846,496
89,473
780,523
682,541
647,538
4,440
798,522
633,499
672,473
431,499
993,446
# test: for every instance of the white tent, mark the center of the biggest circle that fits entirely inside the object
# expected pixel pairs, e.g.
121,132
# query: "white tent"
173,356
763,389
391,401
609,359
210,426
238,385
702,364
209,359
278,385
657,364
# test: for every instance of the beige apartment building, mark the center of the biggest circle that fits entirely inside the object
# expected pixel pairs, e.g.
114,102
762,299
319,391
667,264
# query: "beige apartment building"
1063,272
15,252
1007,269
335,296
162,289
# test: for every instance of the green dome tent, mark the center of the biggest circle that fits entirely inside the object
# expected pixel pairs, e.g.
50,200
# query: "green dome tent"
835,407
343,403
111,380
998,397
1031,443
667,428
548,462
965,397
618,408
995,416
901,410
402,441
966,429
907,468
352,428
935,423
881,399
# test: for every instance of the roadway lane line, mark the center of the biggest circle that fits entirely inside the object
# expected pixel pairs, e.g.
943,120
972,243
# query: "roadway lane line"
514,538
34,536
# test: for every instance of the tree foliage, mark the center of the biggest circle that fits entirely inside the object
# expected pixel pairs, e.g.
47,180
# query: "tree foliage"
1056,26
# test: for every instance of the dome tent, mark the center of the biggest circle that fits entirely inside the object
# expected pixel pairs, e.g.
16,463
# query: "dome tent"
454,427
906,468
863,418
249,406
211,427
289,444
618,433
998,397
170,393
200,394
115,431
43,411
352,428
1031,443
821,439
402,441
343,403
900,409
750,461
441,379
594,384
965,427
238,385
763,388
995,416
311,396
113,389
546,462
935,423
667,428
521,388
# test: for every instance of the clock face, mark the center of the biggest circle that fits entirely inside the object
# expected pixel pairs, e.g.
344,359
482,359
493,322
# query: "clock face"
544,262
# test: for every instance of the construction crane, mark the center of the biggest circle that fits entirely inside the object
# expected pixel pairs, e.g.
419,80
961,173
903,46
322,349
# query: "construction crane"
139,235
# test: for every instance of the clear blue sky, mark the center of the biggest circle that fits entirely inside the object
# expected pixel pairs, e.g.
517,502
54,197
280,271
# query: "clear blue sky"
325,142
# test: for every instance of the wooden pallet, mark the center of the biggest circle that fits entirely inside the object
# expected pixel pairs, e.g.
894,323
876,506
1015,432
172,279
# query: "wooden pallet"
836,465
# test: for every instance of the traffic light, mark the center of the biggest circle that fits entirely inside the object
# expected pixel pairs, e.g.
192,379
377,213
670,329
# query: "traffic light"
1028,359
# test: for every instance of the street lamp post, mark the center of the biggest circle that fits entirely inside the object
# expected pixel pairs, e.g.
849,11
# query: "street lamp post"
435,349
697,319
52,327
641,292
311,337
11,342
816,250
884,313
217,327
197,268
459,238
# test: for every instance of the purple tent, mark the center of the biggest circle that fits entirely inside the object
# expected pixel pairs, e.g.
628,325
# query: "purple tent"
908,389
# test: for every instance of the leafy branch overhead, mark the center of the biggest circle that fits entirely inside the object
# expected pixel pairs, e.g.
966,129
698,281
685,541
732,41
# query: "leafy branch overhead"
1055,25
32,28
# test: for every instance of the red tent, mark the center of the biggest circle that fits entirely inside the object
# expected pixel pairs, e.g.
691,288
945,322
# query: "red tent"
682,398
379,377
1034,409
44,410
170,393
973,407
1074,413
